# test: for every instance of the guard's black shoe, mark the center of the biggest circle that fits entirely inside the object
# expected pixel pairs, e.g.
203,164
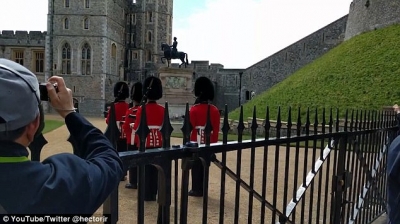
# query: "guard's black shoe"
195,193
131,186
151,198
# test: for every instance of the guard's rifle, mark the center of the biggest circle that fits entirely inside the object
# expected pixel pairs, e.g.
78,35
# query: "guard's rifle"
144,98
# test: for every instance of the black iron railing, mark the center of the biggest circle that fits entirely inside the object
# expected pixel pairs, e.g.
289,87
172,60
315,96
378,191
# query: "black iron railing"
317,170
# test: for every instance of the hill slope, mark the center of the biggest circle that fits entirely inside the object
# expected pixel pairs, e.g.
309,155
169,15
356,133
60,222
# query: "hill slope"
361,73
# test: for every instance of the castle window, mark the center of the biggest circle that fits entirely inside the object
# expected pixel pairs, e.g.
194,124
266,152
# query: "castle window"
85,61
132,39
134,55
149,17
163,2
148,55
86,24
66,3
39,62
113,50
133,19
66,59
18,56
66,23
149,37
87,4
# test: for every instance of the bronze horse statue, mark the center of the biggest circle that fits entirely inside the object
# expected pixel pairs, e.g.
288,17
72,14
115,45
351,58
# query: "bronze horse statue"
168,55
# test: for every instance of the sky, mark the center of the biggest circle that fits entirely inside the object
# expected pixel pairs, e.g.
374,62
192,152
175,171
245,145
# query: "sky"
234,33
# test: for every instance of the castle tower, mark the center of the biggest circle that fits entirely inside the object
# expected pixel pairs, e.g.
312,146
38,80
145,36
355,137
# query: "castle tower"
93,44
149,25
367,15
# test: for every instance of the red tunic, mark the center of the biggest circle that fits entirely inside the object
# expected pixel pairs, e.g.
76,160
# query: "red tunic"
120,110
198,119
130,117
155,118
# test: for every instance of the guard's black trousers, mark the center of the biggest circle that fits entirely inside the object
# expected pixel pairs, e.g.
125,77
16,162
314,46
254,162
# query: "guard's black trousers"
197,176
150,182
121,145
133,171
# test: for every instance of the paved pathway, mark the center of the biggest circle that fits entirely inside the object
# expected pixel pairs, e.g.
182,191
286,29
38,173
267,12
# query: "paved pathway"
381,220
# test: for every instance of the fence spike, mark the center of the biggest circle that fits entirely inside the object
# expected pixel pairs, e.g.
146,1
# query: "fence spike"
316,121
112,132
278,123
307,125
352,120
346,118
187,126
361,121
369,119
166,129
254,125
331,120
298,124
143,130
240,126
337,120
267,124
289,122
323,120
208,128
225,127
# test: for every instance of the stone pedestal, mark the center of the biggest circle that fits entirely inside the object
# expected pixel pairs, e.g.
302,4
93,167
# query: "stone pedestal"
177,89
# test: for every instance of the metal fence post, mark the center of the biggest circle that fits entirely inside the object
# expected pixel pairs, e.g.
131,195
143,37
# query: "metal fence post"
339,181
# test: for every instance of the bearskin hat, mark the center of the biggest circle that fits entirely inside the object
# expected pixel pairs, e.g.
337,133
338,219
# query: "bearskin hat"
204,89
136,92
155,93
121,90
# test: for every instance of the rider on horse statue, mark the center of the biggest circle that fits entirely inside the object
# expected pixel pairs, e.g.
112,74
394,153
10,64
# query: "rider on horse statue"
171,52
174,49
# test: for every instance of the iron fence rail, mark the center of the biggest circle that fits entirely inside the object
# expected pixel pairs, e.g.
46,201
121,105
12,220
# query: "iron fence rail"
324,170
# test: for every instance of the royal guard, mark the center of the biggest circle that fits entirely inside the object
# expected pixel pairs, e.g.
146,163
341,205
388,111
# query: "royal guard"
204,92
152,88
121,92
130,118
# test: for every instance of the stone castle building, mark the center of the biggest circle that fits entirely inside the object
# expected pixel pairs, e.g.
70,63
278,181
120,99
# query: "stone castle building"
95,43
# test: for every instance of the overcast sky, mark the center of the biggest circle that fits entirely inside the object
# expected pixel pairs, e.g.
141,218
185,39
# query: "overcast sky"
234,33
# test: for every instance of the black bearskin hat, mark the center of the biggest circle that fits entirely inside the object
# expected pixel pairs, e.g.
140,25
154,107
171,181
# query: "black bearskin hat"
155,93
121,90
136,92
204,89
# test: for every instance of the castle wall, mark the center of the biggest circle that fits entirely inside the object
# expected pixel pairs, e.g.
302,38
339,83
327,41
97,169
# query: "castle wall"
30,44
274,69
367,15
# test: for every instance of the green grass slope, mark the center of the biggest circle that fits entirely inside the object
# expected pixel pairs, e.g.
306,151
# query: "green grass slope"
362,73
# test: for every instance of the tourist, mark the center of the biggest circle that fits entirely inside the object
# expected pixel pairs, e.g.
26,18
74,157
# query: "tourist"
60,184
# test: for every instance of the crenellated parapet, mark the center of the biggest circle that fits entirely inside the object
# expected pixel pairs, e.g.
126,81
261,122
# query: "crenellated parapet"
22,38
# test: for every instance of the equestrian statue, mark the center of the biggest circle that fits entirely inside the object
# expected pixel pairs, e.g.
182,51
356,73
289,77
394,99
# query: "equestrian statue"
171,52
